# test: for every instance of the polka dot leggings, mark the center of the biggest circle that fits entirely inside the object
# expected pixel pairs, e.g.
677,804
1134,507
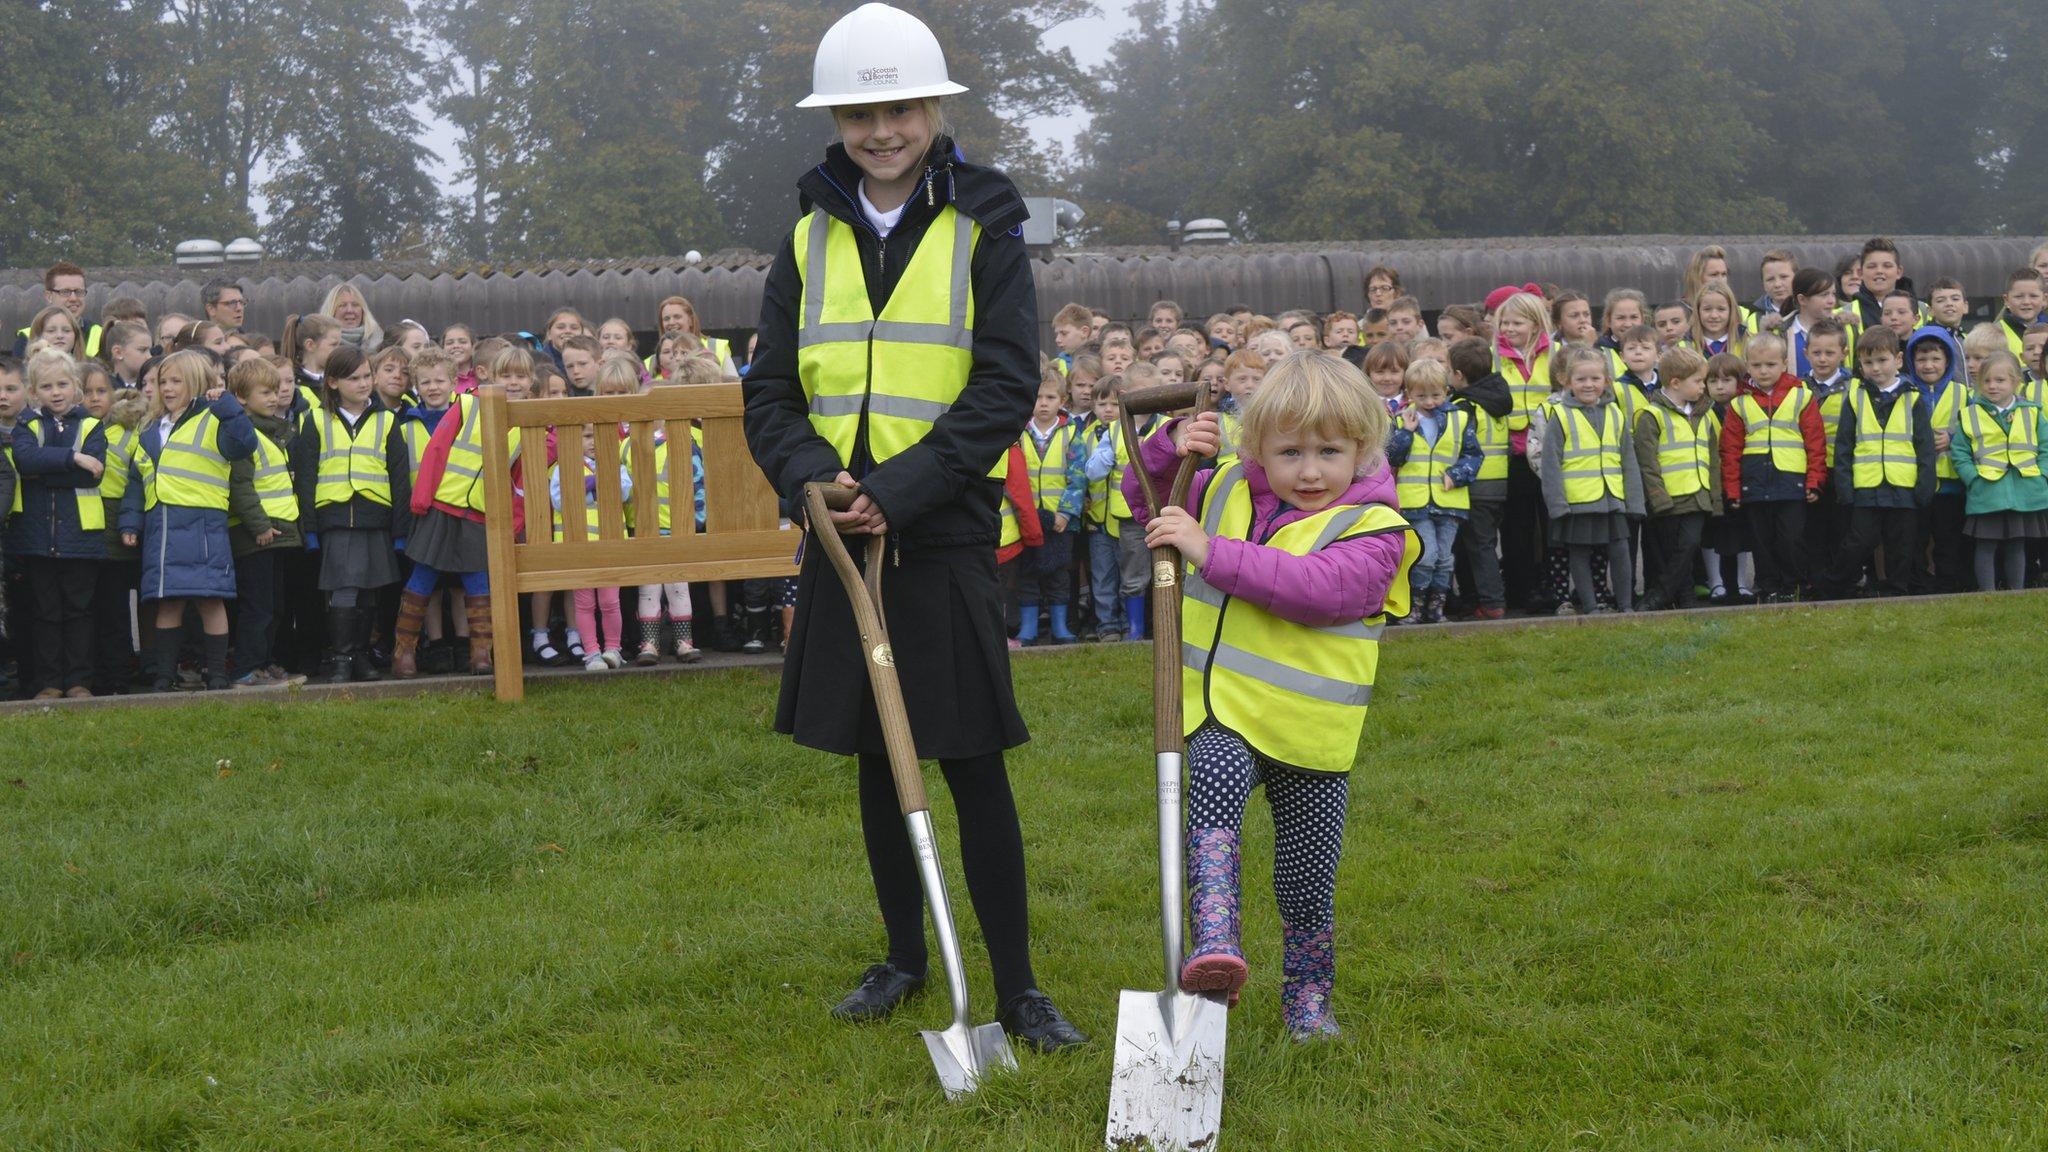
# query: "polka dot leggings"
1308,819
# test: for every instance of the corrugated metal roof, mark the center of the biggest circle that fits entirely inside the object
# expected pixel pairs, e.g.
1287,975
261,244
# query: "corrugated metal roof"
726,286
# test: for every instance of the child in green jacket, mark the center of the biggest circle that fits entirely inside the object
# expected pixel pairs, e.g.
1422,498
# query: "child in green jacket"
1996,451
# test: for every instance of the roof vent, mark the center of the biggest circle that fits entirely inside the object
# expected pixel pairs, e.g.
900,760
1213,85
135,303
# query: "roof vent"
1207,230
198,253
243,250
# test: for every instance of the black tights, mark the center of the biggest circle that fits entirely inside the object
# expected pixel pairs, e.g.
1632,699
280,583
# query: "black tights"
991,855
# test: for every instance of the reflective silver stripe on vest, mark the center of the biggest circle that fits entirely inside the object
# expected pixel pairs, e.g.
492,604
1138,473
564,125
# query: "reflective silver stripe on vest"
906,407
954,335
1234,659
459,470
208,479
2018,452
1198,589
1575,451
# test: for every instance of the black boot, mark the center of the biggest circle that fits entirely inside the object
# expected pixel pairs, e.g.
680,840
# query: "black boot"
1031,1017
163,659
363,661
756,631
344,632
882,988
216,669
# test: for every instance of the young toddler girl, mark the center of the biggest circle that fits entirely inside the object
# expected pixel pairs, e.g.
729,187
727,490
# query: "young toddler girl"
1293,554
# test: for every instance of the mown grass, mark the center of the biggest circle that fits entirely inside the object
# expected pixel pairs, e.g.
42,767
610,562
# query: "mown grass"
1765,880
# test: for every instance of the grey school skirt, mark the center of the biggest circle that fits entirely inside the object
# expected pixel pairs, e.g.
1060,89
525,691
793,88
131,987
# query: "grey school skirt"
357,558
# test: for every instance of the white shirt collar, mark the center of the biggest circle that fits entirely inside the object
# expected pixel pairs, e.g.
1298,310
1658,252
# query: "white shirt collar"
883,222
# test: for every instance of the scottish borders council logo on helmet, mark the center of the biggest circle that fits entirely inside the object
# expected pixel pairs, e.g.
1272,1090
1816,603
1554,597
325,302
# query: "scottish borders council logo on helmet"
876,52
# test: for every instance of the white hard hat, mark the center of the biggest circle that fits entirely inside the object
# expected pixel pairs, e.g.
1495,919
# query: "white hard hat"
877,53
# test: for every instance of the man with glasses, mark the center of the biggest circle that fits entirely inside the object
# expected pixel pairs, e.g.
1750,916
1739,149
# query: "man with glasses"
64,286
224,303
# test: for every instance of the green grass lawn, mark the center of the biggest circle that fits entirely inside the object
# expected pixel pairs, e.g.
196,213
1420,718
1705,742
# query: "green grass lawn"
1750,880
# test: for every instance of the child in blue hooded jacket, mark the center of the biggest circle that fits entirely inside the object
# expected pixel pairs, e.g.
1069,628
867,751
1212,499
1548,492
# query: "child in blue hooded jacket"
1934,364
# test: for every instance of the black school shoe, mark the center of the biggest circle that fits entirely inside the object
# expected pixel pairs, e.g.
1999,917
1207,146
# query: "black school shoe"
882,988
1031,1017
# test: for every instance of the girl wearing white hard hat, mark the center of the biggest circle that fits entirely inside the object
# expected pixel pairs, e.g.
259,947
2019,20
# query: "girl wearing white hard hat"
899,355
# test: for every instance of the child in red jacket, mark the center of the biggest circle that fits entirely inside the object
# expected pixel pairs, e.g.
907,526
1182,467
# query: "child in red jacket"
1773,464
1019,510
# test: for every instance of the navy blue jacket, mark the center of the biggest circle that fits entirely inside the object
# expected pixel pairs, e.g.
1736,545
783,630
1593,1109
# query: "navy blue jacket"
51,480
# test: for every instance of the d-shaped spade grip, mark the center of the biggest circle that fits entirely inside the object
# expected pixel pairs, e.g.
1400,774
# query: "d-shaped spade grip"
1159,398
866,596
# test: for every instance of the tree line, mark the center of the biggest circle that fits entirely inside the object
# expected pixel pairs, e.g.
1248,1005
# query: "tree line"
608,128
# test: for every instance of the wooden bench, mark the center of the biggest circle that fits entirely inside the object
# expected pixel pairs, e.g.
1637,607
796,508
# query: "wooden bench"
744,535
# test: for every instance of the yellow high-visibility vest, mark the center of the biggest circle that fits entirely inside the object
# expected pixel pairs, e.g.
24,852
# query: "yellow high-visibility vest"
352,464
1493,444
1591,460
92,510
1049,468
188,470
272,480
1297,694
120,463
879,382
1884,448
1420,481
1685,457
1997,450
1527,390
1776,432
1947,416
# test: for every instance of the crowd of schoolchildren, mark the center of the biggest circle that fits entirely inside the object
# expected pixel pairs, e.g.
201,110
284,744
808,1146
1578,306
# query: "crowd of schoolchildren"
195,505
1838,435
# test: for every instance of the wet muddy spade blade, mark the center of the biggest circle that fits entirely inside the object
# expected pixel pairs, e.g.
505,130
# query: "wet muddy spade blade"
1166,1091
961,1053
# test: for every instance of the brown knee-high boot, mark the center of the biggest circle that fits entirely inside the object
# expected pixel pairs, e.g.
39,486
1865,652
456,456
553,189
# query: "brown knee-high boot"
480,635
405,639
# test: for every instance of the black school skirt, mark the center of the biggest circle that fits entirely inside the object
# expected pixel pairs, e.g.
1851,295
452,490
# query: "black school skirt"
945,623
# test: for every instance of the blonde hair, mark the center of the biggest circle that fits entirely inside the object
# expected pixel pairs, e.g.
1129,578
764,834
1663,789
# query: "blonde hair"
429,358
1318,392
252,373
1680,363
50,364
514,359
193,368
2001,359
373,332
695,369
1765,342
1696,270
1423,376
1986,338
1528,306
1736,343
621,374
934,114
1563,361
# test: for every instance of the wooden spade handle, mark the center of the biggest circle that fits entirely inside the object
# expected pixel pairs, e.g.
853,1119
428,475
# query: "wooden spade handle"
866,597
1165,591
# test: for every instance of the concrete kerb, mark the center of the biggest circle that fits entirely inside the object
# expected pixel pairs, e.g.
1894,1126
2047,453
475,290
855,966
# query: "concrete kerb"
720,662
